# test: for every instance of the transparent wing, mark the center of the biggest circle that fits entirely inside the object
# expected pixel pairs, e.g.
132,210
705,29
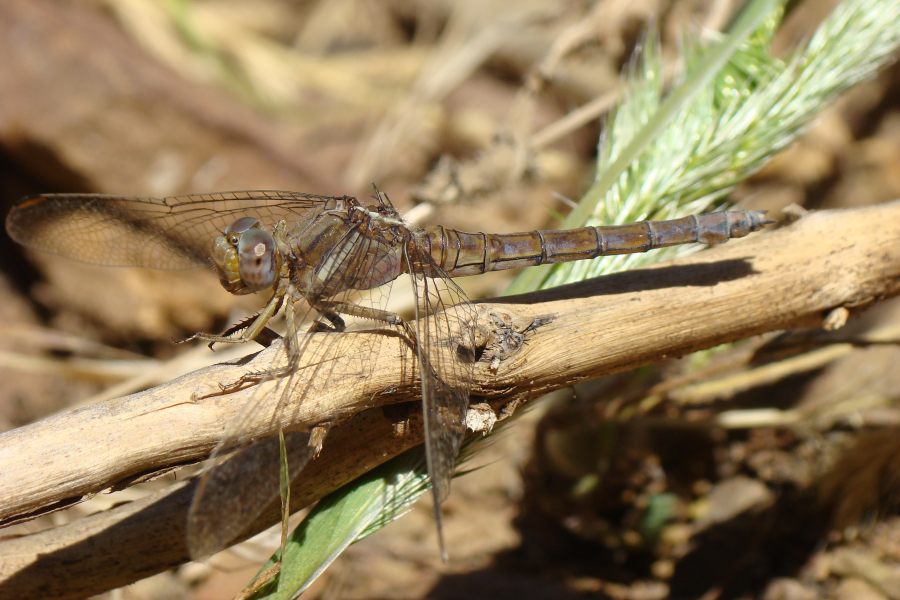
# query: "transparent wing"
445,331
235,490
175,232
229,499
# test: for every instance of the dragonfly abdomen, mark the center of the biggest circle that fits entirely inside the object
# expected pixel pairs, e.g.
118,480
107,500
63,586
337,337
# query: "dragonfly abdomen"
462,253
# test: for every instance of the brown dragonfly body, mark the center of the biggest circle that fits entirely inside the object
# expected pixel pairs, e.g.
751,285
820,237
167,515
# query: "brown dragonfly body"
460,253
326,251
374,240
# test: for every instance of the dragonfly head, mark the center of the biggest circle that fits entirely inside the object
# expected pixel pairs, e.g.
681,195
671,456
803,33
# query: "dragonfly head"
246,257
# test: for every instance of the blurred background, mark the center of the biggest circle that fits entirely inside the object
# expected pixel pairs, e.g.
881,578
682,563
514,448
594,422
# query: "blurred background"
462,113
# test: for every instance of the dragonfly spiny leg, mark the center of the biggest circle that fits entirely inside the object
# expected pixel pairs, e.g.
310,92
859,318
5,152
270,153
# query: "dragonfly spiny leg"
335,322
290,346
255,377
367,312
264,338
252,328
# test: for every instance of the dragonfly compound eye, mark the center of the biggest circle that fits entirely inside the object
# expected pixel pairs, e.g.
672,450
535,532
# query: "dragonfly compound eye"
245,257
257,262
241,225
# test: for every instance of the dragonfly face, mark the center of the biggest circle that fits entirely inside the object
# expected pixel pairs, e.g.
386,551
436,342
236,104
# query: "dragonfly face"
246,257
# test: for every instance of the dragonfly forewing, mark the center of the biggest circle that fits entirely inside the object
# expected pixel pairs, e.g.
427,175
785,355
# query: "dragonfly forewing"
175,232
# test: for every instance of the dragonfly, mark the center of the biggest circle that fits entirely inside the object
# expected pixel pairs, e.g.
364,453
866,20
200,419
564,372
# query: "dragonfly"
318,260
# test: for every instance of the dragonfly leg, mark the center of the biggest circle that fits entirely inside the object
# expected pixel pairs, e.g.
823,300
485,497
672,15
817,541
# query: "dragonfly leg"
290,347
293,359
264,338
335,322
330,311
364,312
251,329
367,312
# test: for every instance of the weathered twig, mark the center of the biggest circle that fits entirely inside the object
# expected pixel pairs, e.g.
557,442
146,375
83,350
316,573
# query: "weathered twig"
775,280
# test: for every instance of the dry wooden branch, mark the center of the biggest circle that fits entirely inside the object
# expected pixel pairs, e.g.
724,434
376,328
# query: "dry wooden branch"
774,280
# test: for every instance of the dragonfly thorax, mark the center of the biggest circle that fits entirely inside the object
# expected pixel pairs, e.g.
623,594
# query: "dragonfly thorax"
246,257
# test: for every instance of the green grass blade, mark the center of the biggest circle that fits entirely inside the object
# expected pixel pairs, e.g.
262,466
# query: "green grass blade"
716,56
345,516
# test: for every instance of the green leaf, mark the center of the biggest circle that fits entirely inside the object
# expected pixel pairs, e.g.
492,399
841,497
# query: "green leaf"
345,516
